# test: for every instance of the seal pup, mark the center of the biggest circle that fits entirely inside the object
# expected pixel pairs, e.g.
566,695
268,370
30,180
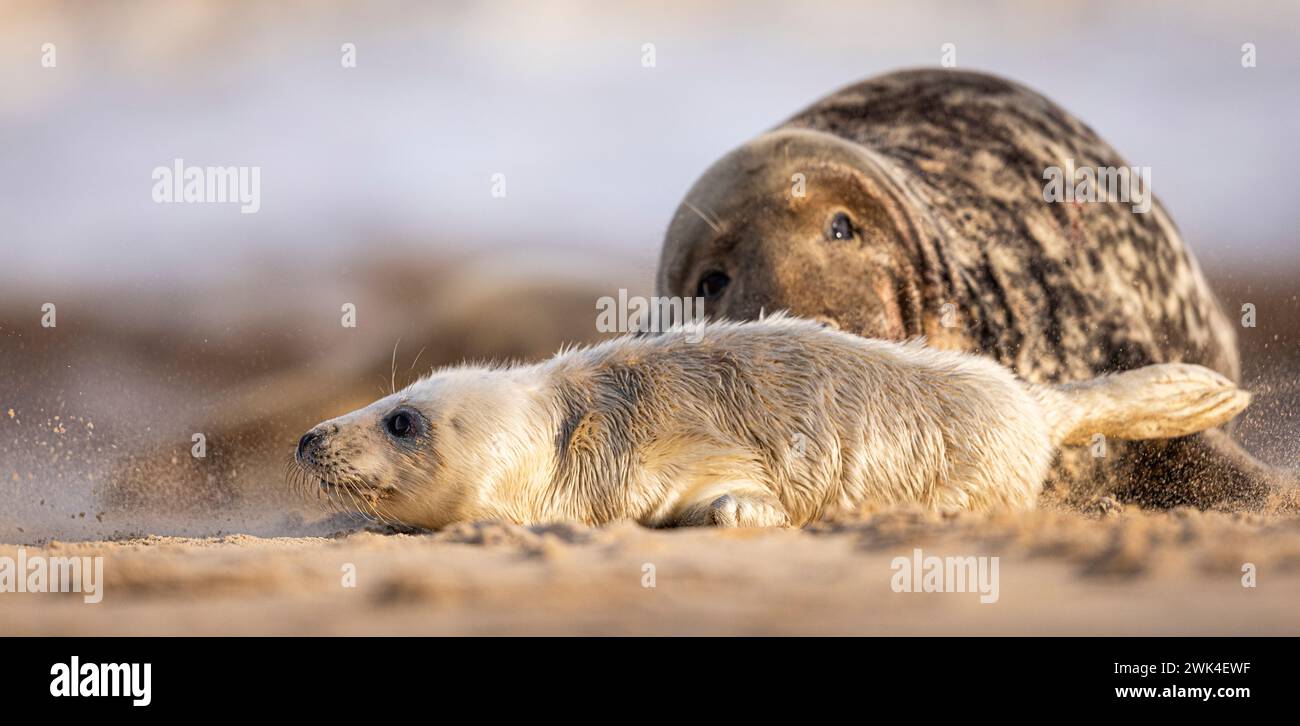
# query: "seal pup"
913,204
754,424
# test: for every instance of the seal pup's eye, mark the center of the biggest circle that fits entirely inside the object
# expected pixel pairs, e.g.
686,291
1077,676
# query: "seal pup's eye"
841,227
712,285
400,424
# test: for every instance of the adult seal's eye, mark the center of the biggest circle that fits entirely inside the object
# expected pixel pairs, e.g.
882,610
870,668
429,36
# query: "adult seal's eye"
712,285
841,226
400,424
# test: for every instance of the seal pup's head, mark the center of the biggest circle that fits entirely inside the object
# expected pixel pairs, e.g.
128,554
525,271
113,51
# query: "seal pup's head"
803,221
428,455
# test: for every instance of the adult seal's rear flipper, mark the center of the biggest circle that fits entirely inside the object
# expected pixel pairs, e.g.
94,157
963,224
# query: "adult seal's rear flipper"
1205,470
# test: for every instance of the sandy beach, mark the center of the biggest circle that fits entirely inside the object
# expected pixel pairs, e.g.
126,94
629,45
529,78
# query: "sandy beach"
1125,573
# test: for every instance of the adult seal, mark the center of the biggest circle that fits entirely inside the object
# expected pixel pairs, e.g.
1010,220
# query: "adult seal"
916,204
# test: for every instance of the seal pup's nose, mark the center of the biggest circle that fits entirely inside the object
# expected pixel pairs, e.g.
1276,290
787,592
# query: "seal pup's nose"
310,443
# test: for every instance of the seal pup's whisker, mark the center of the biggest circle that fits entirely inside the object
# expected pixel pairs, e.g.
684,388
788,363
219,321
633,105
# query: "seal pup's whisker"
392,373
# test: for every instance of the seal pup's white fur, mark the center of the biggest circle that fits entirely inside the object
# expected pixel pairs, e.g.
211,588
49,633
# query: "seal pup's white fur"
763,423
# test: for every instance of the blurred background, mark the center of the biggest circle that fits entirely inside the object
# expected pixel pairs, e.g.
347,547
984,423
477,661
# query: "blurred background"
376,189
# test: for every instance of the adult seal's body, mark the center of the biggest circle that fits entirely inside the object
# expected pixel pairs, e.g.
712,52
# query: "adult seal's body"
913,204
765,423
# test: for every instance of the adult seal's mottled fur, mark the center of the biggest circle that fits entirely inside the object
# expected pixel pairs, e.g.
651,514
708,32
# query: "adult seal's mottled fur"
757,424
912,205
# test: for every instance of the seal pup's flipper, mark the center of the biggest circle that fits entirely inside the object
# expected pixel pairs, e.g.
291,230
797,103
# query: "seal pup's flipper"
1155,402
733,504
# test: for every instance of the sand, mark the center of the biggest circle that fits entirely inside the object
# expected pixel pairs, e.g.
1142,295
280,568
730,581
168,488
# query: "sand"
1127,572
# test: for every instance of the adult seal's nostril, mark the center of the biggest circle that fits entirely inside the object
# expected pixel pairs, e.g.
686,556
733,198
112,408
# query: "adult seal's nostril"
307,444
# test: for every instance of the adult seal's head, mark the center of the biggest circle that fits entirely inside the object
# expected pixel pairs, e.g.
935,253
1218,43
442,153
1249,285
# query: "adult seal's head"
803,220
